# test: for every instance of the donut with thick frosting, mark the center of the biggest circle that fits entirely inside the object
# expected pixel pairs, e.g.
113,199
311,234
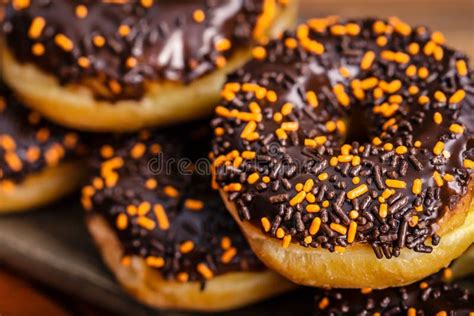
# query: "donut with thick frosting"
349,132
116,66
152,193
435,295
32,148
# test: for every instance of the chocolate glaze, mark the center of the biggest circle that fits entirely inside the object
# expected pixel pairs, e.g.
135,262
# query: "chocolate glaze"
324,89
169,40
205,225
430,296
28,143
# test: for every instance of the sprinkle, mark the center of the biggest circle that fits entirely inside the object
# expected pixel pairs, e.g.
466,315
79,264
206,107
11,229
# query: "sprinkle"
266,224
438,148
367,60
312,98
315,225
438,118
457,97
417,186
146,223
222,44
199,16
358,191
456,129
438,179
469,164
122,221
312,208
186,246
323,303
194,205
352,232
81,11
396,184
286,241
259,53
461,67
228,255
36,27
204,270
338,228
383,211
161,216
64,42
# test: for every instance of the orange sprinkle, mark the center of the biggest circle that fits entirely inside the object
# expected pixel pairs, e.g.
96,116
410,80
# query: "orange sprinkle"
315,225
155,262
222,44
138,150
81,11
228,255
122,221
98,40
186,246
146,3
36,27
323,303
259,53
438,148
131,62
338,228
124,30
383,210
414,48
401,150
396,184
171,191
417,186
64,42
182,277
358,191
367,60
456,129
286,241
457,97
144,208
161,216
204,270
146,223
13,161
199,16
290,126
298,198
440,96
313,208
438,118
194,205
411,312
226,243
469,164
438,179
461,67
151,184
352,232
265,224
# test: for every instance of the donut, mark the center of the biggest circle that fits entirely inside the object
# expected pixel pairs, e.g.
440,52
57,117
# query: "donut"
163,231
345,151
434,295
123,65
39,161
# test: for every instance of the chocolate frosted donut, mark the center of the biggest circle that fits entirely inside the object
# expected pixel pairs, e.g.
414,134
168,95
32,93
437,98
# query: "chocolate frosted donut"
131,51
401,101
165,233
35,157
431,296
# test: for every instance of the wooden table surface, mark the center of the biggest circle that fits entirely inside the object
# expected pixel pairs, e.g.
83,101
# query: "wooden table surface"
20,296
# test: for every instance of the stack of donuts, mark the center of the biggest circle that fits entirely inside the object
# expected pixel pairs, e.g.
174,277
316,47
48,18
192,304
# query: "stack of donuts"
227,155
